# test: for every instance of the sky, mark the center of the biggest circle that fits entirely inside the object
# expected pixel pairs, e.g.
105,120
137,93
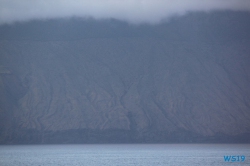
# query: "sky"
134,11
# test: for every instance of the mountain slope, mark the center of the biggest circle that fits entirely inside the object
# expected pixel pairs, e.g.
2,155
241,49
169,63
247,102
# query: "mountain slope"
186,80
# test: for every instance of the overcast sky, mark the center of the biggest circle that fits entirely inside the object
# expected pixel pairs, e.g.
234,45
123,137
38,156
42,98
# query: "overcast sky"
135,11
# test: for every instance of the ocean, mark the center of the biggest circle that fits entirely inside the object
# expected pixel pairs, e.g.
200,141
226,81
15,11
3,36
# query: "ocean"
125,155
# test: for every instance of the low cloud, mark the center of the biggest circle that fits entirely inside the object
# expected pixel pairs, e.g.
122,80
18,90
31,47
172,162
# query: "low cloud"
135,11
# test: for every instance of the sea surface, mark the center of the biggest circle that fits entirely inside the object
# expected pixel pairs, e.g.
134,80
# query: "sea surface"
123,154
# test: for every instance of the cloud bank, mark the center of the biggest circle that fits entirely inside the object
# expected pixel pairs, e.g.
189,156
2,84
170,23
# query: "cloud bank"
135,11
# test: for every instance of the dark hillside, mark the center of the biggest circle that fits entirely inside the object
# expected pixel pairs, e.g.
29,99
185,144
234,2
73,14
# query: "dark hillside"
89,81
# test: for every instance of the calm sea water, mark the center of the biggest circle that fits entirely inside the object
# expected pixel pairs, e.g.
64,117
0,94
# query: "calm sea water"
122,155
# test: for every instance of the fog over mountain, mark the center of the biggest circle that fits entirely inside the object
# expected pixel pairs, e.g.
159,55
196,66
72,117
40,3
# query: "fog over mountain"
84,80
133,11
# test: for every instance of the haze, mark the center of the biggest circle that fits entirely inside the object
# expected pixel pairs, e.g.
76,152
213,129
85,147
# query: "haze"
134,11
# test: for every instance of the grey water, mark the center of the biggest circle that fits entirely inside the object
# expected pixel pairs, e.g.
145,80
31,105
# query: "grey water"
122,154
